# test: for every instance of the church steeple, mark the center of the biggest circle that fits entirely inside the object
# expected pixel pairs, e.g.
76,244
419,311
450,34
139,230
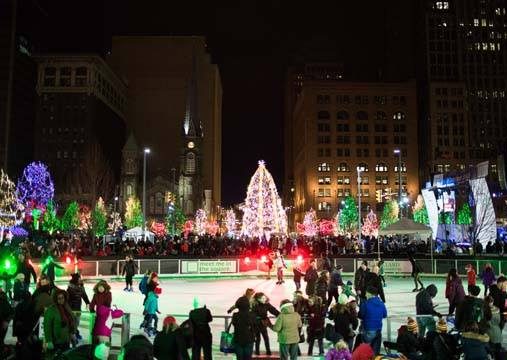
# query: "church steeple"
192,127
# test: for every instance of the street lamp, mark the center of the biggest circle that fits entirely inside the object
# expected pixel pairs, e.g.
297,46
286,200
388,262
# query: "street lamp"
114,215
359,202
146,152
398,152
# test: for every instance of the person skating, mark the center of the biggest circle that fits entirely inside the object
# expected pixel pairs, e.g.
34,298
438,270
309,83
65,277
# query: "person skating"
360,279
49,269
322,285
471,275
373,279
200,318
316,320
77,294
470,309
311,277
249,294
416,273
26,268
129,269
151,311
454,291
101,306
488,277
381,272
260,309
19,288
335,281
298,274
280,265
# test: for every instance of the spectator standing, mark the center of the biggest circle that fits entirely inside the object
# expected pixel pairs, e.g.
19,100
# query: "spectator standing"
381,273
19,288
497,292
322,285
470,309
260,309
169,344
454,291
475,344
335,281
287,326
6,314
491,325
345,320
244,332
360,279
372,312
300,303
59,324
316,320
488,277
311,277
372,278
200,318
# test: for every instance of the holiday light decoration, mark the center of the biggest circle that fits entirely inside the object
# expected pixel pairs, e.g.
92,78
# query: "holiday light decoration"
99,218
8,202
188,227
200,221
211,227
50,222
175,219
327,227
133,213
263,211
70,220
390,214
114,222
349,216
230,222
35,184
309,227
465,215
158,229
370,225
85,218
420,212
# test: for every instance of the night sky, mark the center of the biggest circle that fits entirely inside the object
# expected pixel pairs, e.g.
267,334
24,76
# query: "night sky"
252,42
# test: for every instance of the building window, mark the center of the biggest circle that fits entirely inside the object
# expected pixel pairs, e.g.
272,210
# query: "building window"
323,115
323,152
362,115
380,100
399,115
323,127
81,76
129,190
403,180
381,180
324,167
190,163
365,180
343,167
362,167
343,139
325,180
362,127
380,116
381,167
403,167
442,5
324,206
343,180
49,76
323,139
65,76
365,192
342,128
324,193
347,192
342,115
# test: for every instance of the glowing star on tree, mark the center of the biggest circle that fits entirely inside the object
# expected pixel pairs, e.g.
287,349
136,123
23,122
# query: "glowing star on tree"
201,218
370,225
35,184
263,211
230,222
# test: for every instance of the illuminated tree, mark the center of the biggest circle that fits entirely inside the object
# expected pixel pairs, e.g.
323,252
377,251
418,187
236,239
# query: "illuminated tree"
309,227
158,229
390,214
370,225
211,227
50,221
8,203
85,218
263,211
420,212
175,219
201,219
70,220
35,185
349,216
114,222
230,222
133,213
327,227
99,219
465,215
445,218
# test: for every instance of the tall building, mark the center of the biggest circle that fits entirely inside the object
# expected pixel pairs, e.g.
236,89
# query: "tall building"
162,72
463,103
80,127
341,126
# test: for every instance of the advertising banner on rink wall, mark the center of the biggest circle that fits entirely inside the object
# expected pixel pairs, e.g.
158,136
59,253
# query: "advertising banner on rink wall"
208,266
392,266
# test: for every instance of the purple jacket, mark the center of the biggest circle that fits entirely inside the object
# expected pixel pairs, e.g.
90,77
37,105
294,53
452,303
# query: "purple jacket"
454,291
488,277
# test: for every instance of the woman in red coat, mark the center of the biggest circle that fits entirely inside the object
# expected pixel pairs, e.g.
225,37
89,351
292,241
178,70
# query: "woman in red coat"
454,291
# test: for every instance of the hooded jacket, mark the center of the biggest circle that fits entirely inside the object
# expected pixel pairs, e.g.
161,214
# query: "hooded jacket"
372,311
424,302
475,346
151,304
287,325
243,321
76,293
454,291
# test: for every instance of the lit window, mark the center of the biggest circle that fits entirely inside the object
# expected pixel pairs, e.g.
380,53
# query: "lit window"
476,22
403,167
365,180
483,22
398,116
343,167
324,167
324,180
381,167
362,167
324,206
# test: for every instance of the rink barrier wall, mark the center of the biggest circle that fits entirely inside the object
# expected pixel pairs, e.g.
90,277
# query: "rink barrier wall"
239,267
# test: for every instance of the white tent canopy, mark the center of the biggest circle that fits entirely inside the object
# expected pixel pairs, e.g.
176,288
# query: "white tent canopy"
137,234
406,227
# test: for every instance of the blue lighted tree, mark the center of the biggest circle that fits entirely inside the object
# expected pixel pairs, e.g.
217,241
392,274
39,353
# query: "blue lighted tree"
35,185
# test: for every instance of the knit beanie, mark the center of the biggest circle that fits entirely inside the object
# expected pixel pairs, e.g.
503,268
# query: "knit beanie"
343,299
412,325
169,320
442,326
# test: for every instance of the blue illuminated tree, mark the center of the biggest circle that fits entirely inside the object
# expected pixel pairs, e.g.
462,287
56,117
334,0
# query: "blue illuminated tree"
35,185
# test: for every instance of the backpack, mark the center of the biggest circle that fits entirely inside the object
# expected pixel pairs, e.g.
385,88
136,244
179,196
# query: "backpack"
187,330
143,284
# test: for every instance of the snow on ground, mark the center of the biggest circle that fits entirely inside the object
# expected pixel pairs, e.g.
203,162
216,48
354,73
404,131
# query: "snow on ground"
218,294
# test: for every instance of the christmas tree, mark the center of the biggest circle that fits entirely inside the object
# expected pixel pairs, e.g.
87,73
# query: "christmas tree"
390,214
175,219
370,225
420,212
201,218
445,218
8,202
211,227
85,218
158,229
327,227
133,213
114,222
50,221
99,219
35,185
310,227
70,220
465,215
348,216
230,222
263,211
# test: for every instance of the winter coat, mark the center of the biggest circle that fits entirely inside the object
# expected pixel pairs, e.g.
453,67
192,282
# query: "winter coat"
321,289
471,277
260,312
6,310
26,269
55,329
475,346
470,309
103,313
143,285
24,319
170,346
129,268
372,279
359,281
244,327
316,321
19,289
335,280
138,348
488,277
408,343
311,277
443,346
424,302
75,294
301,307
151,304
344,321
493,327
287,325
101,298
49,270
298,274
498,296
42,297
454,291
200,318
372,311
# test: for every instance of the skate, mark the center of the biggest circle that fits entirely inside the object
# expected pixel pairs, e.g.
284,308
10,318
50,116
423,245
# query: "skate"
126,289
415,290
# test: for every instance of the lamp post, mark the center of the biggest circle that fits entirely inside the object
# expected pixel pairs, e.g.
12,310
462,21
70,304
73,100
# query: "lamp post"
359,203
398,152
146,152
114,215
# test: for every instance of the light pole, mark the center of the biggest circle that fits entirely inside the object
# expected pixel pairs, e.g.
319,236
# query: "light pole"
398,152
359,203
146,152
114,215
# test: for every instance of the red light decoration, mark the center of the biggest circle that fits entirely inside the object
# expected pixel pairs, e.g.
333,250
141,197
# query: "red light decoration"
68,260
299,259
247,260
264,258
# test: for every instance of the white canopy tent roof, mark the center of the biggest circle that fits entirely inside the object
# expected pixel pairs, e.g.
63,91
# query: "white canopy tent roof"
137,234
407,227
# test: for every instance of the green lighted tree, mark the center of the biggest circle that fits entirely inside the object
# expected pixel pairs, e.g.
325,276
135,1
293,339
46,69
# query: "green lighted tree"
50,221
133,213
465,215
390,214
70,220
445,218
420,212
348,215
174,220
99,219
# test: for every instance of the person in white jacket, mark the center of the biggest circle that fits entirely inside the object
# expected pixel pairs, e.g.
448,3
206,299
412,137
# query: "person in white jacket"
280,265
